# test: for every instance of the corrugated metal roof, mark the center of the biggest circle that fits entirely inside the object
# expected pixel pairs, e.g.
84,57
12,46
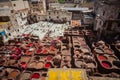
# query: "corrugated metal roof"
84,9
77,9
4,0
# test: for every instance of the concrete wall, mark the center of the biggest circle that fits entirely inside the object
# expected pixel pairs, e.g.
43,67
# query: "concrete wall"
5,11
105,12
41,17
78,1
5,8
26,4
21,9
22,17
52,1
19,4
59,15
39,8
69,1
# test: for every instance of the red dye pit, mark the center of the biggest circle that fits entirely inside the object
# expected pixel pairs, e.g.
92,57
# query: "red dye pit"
30,44
47,65
106,65
23,65
28,53
44,51
35,75
49,57
52,48
102,57
39,51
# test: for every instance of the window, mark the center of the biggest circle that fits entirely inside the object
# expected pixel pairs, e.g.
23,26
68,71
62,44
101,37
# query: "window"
8,28
40,2
57,17
4,18
109,26
12,11
49,13
9,34
118,24
119,15
100,23
21,14
14,4
103,13
119,18
15,20
35,2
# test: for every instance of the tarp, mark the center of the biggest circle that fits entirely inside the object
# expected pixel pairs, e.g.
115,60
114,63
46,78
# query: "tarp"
2,32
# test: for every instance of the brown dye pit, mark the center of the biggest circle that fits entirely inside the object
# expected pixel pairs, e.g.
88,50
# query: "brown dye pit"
13,74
